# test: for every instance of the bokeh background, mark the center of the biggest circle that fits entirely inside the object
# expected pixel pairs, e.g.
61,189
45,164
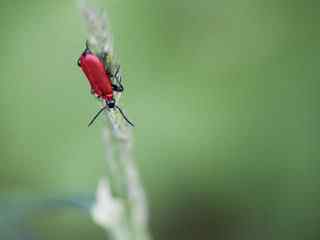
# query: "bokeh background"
225,98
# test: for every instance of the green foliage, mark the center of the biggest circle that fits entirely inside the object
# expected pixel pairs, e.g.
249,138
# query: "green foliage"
224,95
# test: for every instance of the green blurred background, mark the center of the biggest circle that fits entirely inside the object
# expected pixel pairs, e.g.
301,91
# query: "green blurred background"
224,95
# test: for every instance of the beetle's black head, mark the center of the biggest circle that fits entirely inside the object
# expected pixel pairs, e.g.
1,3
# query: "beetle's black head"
111,103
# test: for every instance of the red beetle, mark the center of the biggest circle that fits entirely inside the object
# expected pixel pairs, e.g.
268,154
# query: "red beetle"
100,80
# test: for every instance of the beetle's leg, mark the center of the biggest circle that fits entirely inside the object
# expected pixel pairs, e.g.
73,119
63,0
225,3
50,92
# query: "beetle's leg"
117,77
104,56
117,88
117,70
109,73
117,74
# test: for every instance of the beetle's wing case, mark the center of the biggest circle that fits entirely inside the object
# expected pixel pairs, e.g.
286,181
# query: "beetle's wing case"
95,72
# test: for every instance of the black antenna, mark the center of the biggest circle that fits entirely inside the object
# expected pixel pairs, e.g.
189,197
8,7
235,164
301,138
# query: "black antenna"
124,116
97,115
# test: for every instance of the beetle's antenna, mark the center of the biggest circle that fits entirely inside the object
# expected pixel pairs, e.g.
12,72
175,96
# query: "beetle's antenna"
124,116
97,115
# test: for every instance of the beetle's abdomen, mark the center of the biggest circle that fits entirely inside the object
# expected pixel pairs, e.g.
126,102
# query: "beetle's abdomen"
95,72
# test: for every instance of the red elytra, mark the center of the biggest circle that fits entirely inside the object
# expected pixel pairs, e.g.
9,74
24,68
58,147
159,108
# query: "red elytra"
100,82
97,76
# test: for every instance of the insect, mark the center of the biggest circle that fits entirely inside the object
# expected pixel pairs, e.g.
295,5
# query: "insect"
100,82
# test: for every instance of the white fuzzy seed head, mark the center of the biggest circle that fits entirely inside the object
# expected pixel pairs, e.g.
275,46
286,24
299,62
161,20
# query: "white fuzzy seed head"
107,211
